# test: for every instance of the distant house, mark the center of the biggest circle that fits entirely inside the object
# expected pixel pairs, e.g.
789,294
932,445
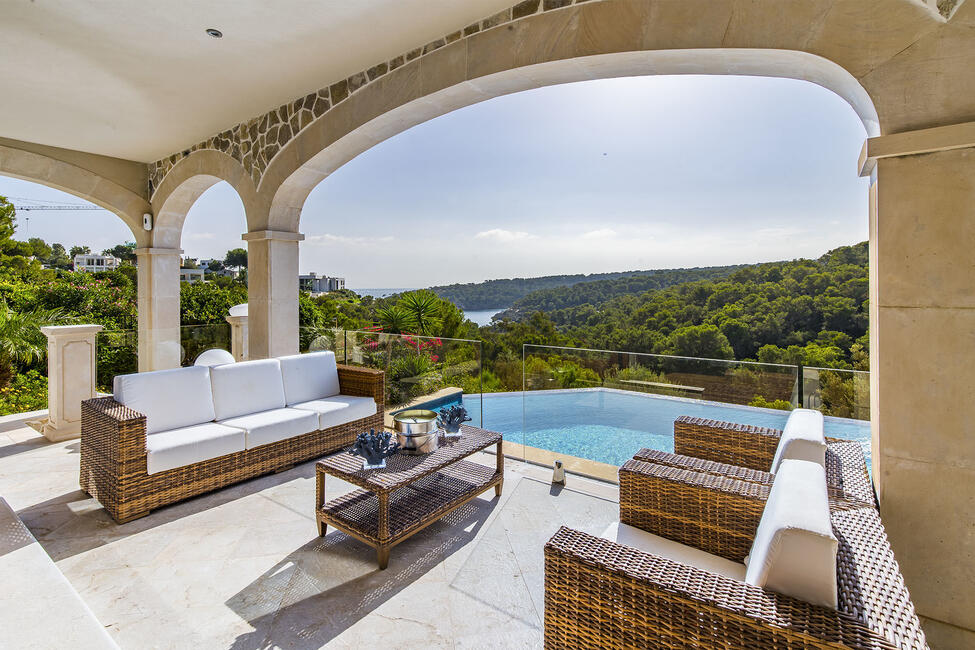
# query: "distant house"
316,284
92,263
191,275
225,272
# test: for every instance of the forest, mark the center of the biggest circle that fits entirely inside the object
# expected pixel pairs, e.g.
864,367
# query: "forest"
500,294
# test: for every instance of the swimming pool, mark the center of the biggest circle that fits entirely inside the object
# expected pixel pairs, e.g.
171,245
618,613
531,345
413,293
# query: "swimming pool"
610,425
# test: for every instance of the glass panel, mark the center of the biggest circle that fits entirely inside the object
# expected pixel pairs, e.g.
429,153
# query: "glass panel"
118,354
422,371
194,340
840,393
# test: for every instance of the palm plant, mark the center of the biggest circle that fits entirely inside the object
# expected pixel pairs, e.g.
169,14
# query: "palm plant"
424,307
21,339
396,319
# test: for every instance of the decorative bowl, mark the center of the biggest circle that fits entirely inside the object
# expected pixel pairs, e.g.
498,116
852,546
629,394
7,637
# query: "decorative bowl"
416,431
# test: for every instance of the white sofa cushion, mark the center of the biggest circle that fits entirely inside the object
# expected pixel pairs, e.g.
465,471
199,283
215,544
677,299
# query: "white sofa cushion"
169,399
309,376
802,439
794,552
333,411
656,545
271,426
247,387
188,445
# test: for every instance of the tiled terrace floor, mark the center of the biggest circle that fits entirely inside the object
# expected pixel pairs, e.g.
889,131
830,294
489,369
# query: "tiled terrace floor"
245,568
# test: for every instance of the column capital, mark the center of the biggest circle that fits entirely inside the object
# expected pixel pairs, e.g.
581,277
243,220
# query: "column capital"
63,331
277,235
911,143
158,251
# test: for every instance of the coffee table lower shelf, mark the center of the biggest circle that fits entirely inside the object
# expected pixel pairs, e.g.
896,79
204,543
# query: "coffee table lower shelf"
383,520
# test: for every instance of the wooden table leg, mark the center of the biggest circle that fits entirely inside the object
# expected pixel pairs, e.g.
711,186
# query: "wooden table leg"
320,501
500,466
382,552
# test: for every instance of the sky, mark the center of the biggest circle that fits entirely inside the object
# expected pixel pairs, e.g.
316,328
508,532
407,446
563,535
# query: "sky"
589,177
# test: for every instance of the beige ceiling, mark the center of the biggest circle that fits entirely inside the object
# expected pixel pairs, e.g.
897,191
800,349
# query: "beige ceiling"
140,79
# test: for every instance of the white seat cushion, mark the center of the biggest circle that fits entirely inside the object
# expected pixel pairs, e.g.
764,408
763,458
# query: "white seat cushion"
271,426
188,445
794,552
333,411
802,439
309,377
656,545
247,387
170,399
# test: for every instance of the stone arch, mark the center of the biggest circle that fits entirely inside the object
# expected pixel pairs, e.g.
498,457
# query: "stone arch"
187,181
80,182
372,116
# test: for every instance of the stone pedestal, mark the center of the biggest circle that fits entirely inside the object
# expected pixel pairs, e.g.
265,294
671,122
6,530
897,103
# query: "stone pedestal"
71,378
238,331
272,293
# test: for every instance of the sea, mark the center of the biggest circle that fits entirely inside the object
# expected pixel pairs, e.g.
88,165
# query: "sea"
481,317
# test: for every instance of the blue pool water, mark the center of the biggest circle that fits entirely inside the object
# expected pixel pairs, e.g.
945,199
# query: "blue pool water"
609,426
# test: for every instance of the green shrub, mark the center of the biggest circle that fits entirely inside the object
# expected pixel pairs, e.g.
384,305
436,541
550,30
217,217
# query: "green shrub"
27,392
761,402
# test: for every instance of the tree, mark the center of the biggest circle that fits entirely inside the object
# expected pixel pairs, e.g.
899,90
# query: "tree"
7,218
79,250
21,340
395,319
424,309
190,263
214,266
701,341
40,249
125,252
236,259
59,257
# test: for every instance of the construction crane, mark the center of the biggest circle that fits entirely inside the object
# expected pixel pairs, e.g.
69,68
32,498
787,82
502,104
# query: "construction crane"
40,204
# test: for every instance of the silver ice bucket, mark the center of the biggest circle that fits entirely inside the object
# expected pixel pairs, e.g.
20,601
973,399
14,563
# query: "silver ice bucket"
416,431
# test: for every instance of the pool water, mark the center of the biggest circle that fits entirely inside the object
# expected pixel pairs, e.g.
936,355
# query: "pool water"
609,425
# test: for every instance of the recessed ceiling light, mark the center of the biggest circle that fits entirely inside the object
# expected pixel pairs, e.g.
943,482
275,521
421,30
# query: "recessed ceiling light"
216,33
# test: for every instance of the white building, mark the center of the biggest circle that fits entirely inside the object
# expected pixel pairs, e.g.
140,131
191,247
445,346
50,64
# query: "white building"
91,263
318,284
205,267
191,275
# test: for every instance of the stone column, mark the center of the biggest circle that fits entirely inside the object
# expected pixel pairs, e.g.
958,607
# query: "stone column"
158,276
922,335
272,293
238,331
70,378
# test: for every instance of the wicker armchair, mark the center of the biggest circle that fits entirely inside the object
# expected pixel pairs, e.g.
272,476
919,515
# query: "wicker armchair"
744,452
600,594
114,467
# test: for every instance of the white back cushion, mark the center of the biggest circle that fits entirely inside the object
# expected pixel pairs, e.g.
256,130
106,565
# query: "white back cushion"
309,377
169,399
246,387
794,552
802,439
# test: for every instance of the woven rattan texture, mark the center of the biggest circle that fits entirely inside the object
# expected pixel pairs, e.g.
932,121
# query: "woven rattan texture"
402,469
424,499
846,471
726,442
599,594
114,457
713,513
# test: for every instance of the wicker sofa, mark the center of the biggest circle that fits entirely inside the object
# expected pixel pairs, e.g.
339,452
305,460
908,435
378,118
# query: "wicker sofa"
607,592
170,435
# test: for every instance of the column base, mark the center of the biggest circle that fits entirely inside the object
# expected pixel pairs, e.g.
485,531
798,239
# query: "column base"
67,430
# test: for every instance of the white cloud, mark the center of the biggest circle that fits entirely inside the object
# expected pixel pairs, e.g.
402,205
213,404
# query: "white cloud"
329,238
501,235
602,233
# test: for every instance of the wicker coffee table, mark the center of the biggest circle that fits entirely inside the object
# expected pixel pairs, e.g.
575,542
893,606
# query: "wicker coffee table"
410,493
